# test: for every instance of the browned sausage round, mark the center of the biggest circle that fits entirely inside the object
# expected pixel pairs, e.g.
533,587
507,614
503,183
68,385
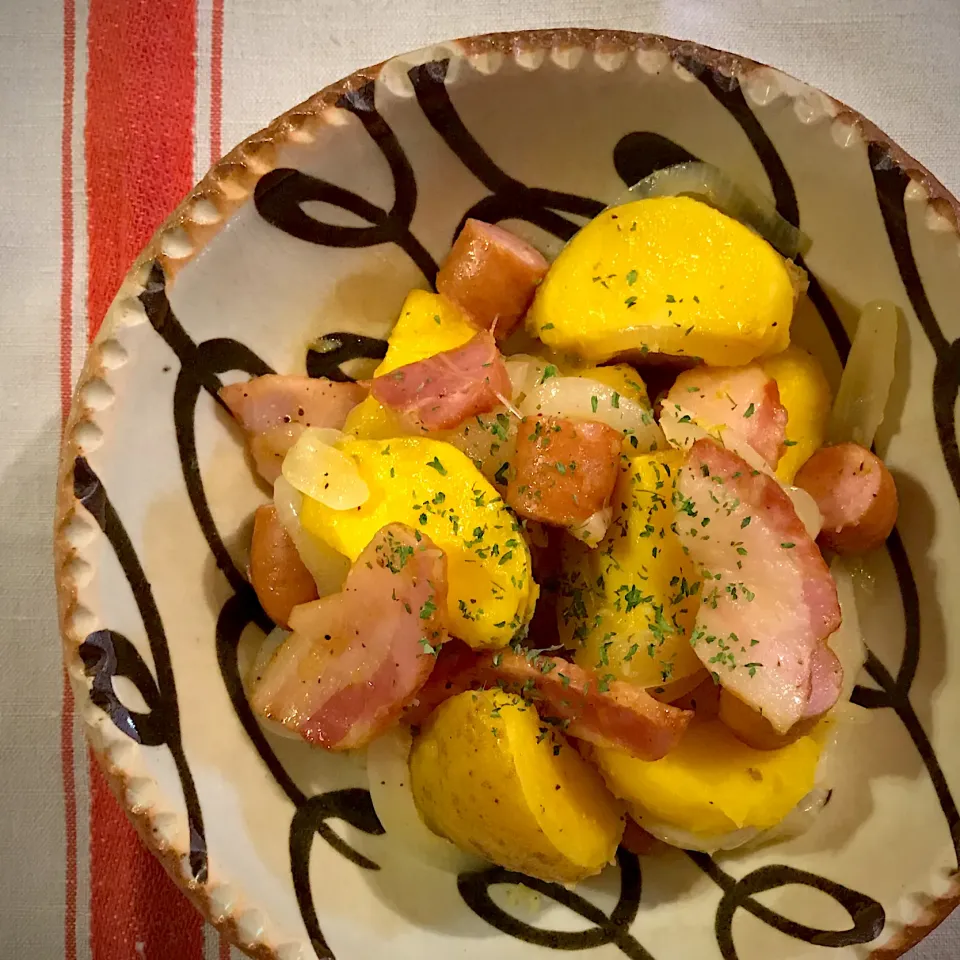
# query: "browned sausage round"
277,573
491,275
856,496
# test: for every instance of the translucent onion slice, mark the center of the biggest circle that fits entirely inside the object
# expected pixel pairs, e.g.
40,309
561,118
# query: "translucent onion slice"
706,182
268,647
865,384
847,643
525,373
489,440
795,823
318,469
580,398
594,528
807,510
389,772
681,430
327,567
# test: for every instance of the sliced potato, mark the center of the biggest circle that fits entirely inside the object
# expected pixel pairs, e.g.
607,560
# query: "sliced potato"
668,275
628,605
711,783
490,776
428,324
431,486
805,393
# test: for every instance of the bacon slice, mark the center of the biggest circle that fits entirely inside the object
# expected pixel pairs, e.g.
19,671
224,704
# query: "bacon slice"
856,496
277,573
768,600
564,471
826,682
742,403
491,275
355,659
600,710
274,409
442,391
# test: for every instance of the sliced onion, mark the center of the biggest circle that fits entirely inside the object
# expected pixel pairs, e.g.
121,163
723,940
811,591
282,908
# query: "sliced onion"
580,398
865,384
270,644
489,440
389,772
318,469
807,510
683,431
688,840
327,567
847,642
594,528
706,182
795,823
525,373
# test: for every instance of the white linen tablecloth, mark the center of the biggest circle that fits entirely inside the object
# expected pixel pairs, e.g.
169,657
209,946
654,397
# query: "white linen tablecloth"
83,188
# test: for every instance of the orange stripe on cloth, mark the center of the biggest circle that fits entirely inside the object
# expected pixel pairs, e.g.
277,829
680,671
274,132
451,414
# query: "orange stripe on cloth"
141,83
139,164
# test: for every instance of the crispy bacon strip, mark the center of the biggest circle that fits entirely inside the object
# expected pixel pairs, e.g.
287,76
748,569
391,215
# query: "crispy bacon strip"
355,659
600,710
742,402
274,409
442,391
769,602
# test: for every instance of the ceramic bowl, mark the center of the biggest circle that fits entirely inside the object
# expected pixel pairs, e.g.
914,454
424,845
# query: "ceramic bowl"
310,233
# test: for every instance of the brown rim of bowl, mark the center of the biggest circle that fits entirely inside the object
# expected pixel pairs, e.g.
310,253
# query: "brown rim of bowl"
200,215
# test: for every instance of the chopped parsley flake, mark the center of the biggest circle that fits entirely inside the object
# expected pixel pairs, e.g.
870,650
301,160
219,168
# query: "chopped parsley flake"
630,301
749,412
631,278
593,404
615,400
428,609
438,466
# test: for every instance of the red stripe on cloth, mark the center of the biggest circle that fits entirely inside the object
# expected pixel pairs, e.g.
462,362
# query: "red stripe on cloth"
66,387
139,151
141,85
216,80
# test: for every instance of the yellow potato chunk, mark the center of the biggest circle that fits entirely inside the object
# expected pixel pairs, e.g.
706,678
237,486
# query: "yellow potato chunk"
628,605
668,275
805,393
428,324
494,779
711,783
432,487
622,377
